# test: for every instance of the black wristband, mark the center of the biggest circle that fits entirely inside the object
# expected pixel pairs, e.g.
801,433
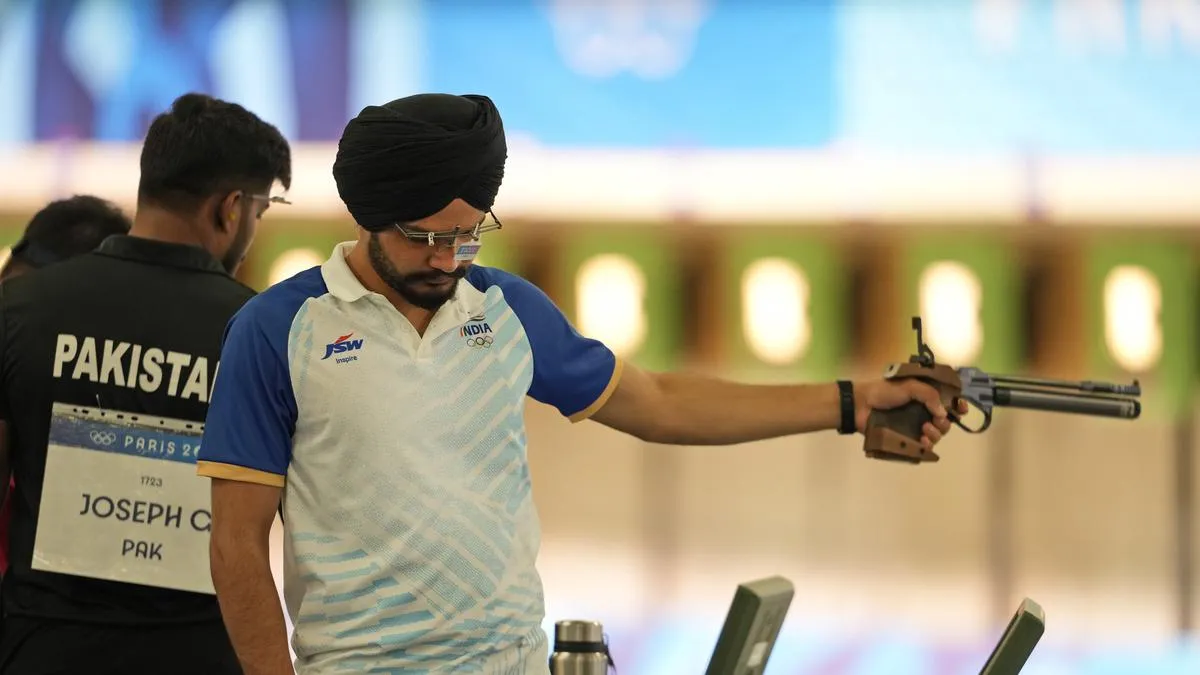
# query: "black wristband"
846,390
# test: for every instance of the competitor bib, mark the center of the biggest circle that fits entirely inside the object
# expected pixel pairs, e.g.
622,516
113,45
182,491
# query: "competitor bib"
121,500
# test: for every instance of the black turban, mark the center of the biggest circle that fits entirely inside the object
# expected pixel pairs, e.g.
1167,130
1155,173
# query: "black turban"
408,159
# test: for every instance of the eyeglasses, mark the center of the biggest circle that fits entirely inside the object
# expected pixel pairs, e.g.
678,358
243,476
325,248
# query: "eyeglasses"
274,195
453,237
272,199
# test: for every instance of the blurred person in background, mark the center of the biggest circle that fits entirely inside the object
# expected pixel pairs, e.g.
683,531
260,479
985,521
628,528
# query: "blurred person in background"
381,397
106,365
62,230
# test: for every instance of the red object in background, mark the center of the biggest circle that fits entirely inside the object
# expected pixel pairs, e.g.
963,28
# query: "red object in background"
5,517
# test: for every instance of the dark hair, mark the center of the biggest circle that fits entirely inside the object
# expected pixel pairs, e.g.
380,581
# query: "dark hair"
204,146
69,227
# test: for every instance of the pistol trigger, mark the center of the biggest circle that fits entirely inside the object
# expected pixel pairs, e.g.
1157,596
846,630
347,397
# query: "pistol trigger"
987,420
958,422
987,417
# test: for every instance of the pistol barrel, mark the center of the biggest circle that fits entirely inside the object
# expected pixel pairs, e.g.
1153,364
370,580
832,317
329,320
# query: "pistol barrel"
1087,386
1078,404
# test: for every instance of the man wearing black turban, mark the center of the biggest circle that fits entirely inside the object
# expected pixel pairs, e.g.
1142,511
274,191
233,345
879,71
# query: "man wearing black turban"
381,396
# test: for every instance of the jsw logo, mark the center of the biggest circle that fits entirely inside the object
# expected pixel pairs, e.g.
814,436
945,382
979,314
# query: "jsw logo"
474,329
342,345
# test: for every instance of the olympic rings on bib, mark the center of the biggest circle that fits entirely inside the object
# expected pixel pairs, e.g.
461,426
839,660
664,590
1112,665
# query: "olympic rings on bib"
103,437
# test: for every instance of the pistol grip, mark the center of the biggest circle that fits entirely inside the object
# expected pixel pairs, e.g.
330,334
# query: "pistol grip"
896,434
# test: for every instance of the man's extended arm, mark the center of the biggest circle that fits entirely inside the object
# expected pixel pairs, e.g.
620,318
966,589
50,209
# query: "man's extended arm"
582,378
687,409
241,569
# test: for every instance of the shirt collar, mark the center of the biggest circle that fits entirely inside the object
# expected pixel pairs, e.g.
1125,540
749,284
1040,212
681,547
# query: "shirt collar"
340,281
158,252
343,285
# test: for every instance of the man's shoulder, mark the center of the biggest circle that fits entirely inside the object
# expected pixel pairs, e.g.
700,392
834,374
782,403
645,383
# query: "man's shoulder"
515,288
531,305
65,274
69,284
237,290
276,308
100,273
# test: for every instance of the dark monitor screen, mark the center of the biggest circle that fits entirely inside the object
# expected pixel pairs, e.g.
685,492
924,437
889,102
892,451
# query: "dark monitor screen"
1018,641
751,627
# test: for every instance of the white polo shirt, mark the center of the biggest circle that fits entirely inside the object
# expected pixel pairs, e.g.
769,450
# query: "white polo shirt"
410,530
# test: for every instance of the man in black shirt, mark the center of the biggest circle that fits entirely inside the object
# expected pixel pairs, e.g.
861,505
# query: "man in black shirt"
62,230
106,366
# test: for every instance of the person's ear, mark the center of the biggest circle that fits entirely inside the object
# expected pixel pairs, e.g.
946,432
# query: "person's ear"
229,211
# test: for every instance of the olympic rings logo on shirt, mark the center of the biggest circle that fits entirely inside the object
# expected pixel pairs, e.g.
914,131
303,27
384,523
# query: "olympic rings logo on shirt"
480,342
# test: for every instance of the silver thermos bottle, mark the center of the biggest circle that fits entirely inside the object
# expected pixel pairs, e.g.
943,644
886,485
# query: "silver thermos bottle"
579,649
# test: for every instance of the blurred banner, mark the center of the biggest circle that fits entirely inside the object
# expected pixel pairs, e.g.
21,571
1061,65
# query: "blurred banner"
638,73
1111,76
1059,76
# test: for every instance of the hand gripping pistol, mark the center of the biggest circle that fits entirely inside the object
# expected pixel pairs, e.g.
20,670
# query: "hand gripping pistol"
896,434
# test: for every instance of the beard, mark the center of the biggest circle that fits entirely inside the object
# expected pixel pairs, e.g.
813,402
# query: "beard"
240,246
412,287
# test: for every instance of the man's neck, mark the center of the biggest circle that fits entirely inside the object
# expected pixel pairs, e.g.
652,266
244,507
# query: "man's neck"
165,226
360,264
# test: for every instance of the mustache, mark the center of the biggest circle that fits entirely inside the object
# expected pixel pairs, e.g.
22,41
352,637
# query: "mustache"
433,277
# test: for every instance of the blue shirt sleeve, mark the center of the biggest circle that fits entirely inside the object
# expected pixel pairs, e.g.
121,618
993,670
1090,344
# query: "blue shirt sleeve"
573,373
252,413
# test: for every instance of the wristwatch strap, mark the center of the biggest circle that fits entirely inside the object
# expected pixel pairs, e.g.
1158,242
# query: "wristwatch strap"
846,392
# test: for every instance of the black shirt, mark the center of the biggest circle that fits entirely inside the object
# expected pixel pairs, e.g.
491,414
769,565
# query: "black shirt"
132,328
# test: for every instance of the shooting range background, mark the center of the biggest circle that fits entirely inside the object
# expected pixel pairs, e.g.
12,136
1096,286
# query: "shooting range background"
770,196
